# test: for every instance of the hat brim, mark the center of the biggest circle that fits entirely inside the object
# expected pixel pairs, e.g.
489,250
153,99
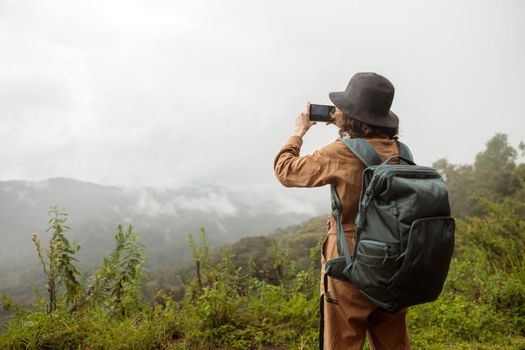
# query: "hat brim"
390,120
337,99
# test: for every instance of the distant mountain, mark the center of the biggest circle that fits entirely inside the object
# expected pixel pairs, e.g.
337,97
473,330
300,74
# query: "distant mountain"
164,218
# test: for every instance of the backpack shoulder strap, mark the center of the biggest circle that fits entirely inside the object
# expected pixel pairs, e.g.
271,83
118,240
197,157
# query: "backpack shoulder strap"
364,151
404,151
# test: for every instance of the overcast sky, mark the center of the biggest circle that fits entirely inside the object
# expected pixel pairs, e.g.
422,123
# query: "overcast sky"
174,93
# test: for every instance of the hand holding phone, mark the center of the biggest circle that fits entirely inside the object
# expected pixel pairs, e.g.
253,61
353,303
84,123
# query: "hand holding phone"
303,122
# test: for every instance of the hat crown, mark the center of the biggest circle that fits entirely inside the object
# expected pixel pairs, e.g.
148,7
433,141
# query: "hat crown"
368,98
370,92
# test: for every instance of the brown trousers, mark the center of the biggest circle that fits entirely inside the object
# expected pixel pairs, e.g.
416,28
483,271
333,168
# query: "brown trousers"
347,323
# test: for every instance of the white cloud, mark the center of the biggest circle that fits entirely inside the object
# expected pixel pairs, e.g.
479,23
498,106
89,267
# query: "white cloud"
155,202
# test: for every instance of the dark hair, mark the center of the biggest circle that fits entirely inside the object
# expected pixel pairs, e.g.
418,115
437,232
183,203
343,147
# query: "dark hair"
356,128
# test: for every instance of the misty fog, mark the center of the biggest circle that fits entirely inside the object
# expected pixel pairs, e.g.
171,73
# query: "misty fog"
167,115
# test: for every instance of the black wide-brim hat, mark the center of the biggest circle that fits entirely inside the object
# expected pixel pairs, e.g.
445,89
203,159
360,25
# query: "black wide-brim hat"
368,98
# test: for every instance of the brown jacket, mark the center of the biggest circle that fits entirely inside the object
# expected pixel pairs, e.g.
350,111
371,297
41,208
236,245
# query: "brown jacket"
333,164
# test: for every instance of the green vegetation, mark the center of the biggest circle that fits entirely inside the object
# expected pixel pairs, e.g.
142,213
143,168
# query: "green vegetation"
493,176
223,307
59,268
263,292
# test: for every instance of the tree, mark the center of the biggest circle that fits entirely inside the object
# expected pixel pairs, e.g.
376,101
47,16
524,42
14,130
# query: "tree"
460,181
494,175
494,169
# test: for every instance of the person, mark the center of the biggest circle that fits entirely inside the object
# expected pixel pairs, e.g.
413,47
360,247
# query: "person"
361,111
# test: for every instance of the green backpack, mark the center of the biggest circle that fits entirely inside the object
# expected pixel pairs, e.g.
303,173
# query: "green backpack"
405,234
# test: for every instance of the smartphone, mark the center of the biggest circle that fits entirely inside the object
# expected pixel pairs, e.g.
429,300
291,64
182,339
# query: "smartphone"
321,113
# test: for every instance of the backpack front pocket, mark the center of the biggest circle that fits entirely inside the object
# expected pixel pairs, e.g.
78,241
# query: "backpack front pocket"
375,264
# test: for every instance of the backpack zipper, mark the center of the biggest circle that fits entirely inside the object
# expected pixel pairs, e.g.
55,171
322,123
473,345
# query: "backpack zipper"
429,172
369,241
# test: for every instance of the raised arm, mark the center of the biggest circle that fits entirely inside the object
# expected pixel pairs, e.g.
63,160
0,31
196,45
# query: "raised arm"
291,169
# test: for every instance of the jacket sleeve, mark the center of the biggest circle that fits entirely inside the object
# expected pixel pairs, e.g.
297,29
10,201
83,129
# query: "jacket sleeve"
292,170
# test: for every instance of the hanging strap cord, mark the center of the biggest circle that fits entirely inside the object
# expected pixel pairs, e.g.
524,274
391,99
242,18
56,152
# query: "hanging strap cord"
327,295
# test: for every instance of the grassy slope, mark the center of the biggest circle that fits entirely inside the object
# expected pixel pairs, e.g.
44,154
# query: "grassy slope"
481,307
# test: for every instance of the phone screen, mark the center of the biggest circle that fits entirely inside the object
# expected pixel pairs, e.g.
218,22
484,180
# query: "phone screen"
321,113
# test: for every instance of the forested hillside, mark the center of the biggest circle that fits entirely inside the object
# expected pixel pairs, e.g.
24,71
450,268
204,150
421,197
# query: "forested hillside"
262,292
164,218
